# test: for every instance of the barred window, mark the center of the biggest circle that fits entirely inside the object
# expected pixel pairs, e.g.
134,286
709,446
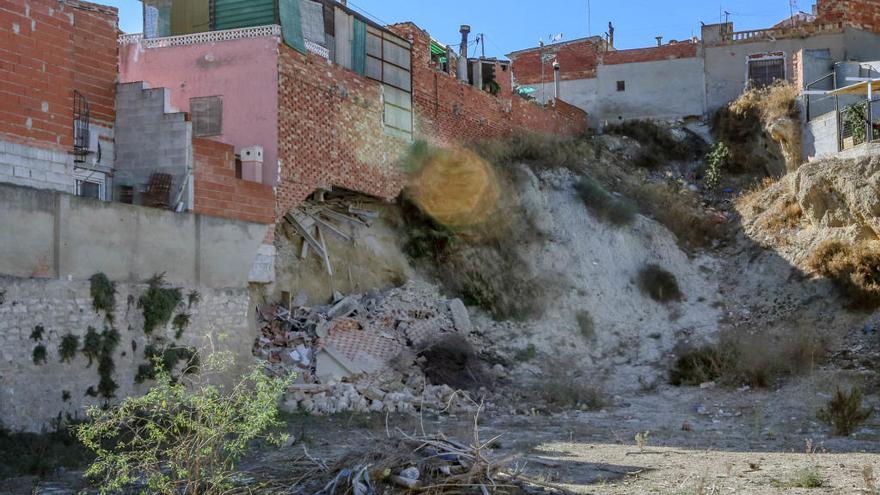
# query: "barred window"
207,115
764,72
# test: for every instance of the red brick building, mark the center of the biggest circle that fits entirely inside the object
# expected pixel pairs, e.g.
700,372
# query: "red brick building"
58,73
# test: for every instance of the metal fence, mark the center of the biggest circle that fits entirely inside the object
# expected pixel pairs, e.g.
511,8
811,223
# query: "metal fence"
859,123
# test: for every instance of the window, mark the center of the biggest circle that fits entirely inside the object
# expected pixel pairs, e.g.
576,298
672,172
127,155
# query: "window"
621,85
90,184
207,116
765,71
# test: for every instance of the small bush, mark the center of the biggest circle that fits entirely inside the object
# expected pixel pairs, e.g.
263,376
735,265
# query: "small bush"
166,359
586,325
180,438
802,478
453,361
39,354
37,333
844,412
526,354
158,303
103,295
180,324
603,204
68,348
756,360
92,345
659,284
855,270
716,162
561,388
702,365
680,211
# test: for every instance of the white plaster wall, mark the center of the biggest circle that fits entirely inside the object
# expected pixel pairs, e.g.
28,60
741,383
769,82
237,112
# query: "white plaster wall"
665,89
581,93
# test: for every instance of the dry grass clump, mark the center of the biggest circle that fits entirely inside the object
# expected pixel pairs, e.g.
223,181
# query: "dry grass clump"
659,284
762,128
758,360
562,388
541,151
855,270
679,211
808,477
844,412
603,204
787,214
658,143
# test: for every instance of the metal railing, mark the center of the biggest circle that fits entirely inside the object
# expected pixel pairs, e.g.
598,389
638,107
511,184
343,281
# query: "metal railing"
818,105
859,123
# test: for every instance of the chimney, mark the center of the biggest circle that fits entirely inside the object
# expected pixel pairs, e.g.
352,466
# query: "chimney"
252,163
659,40
556,79
463,52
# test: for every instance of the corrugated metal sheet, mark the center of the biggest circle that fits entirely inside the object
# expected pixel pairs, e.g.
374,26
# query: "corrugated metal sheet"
359,47
232,14
291,24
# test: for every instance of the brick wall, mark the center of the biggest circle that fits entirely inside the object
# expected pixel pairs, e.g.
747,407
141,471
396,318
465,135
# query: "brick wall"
862,14
47,50
651,54
331,132
448,111
577,60
219,193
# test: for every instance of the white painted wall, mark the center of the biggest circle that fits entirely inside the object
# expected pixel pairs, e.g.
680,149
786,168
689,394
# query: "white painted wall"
663,90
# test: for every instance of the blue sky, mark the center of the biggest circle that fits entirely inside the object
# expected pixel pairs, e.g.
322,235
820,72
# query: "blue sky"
511,25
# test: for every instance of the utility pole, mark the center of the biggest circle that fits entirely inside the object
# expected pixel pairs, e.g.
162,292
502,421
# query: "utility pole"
541,45
483,43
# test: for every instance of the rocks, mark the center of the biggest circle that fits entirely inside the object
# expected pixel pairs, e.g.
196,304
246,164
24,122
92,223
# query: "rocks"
838,193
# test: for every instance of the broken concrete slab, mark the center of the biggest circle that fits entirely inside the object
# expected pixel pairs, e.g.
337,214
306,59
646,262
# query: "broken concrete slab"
345,307
460,317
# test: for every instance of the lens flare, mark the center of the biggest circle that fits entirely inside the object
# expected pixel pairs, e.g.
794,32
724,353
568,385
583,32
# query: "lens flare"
456,188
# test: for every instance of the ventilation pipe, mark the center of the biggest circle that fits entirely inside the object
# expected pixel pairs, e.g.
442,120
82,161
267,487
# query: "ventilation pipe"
463,54
556,79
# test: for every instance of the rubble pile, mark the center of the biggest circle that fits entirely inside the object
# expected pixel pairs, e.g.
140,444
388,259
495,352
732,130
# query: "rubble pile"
361,352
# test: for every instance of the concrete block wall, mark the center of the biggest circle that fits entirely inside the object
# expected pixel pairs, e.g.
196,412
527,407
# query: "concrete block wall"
32,166
152,138
54,235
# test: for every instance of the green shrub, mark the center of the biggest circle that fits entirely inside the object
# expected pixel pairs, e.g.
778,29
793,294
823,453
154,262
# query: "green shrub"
167,359
39,354
603,204
716,162
844,412
103,295
802,478
562,389
659,284
180,324
158,303
68,348
181,438
40,454
91,345
855,117
37,333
